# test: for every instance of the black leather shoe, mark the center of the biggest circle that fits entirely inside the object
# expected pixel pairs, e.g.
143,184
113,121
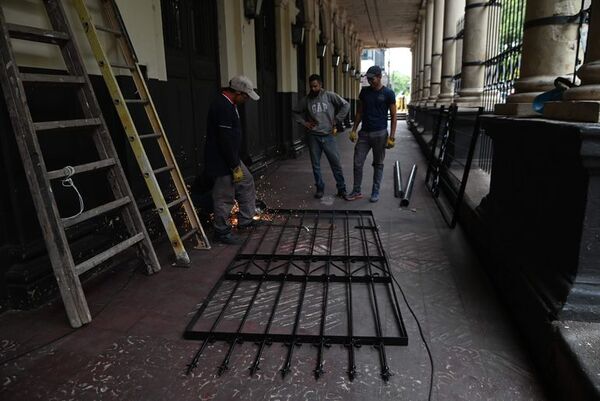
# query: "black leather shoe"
319,194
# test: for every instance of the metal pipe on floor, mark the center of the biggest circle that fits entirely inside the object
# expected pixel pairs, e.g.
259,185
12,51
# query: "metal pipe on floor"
409,187
398,190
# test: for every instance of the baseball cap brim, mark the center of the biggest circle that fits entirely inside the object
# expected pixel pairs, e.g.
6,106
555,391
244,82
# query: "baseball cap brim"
253,95
370,75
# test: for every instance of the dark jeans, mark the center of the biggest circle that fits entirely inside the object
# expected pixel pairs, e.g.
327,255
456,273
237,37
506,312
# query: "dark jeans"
325,143
375,140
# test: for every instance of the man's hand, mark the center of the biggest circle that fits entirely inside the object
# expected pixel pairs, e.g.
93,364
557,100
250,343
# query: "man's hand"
353,136
390,142
238,174
310,124
334,132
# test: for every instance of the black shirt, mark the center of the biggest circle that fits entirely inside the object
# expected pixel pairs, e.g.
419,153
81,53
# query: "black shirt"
223,137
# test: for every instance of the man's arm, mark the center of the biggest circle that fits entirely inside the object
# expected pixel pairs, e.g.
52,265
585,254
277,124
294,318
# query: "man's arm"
300,115
358,116
341,105
226,140
394,120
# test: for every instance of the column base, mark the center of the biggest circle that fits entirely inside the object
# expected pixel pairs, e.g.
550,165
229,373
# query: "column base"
583,111
515,109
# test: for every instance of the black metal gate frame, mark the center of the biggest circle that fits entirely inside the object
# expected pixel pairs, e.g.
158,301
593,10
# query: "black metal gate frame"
325,268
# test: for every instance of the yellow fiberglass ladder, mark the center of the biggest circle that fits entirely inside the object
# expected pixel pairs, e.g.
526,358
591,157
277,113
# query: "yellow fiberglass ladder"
33,134
114,25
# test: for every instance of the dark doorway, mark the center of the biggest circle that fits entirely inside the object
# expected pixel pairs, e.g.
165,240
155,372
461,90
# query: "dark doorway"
190,32
263,145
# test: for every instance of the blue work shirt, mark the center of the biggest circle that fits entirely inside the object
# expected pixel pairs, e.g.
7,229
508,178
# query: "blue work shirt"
375,106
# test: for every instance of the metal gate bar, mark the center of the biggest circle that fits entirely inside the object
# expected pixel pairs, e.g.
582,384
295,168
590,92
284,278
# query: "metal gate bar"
335,247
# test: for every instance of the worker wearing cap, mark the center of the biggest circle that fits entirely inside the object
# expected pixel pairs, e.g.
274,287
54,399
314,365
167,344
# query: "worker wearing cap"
232,179
375,101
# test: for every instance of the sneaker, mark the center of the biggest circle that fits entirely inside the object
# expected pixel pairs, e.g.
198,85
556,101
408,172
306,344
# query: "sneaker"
353,196
374,197
342,194
319,194
228,239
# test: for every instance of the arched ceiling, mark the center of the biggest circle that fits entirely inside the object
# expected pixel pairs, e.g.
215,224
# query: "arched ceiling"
383,23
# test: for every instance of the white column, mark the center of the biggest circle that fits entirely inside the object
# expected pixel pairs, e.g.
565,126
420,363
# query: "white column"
428,49
436,56
548,52
474,42
453,10
583,103
422,54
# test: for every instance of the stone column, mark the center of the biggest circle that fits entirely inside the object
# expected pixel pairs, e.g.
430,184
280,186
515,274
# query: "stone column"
453,10
428,49
459,51
422,55
436,56
310,39
548,52
582,103
474,42
414,82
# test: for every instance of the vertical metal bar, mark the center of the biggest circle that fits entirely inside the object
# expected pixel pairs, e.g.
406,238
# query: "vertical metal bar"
351,342
323,343
385,369
293,343
225,364
265,341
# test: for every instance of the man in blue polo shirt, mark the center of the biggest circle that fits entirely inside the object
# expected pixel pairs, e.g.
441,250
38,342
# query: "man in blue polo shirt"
233,180
375,101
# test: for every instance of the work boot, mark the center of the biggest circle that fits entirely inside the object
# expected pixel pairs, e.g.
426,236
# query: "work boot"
354,195
342,193
251,224
374,197
319,194
228,239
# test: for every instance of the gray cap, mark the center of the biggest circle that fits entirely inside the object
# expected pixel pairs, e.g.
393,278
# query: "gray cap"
243,84
374,71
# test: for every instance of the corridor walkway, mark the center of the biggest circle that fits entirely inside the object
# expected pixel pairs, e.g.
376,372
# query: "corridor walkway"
133,349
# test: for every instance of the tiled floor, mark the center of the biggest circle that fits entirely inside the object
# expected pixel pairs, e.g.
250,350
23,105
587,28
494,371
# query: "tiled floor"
133,349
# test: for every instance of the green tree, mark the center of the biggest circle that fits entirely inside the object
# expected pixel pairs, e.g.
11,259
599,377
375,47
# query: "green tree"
400,83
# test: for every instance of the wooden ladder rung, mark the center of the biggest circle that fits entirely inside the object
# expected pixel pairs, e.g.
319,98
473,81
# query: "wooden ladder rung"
187,235
177,202
36,34
163,169
136,101
95,212
123,66
53,79
109,253
108,30
83,168
66,124
150,136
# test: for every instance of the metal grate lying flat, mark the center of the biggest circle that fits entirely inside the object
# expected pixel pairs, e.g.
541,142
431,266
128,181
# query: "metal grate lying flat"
305,277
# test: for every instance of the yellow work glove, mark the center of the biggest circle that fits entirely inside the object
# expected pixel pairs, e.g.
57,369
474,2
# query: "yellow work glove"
238,174
390,142
353,136
334,132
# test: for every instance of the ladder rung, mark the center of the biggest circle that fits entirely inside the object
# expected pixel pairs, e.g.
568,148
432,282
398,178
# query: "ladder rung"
52,79
36,34
95,212
177,202
163,169
109,30
109,253
66,124
188,234
150,136
136,101
122,66
82,168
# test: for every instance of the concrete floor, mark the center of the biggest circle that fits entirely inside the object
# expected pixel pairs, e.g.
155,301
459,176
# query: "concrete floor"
133,348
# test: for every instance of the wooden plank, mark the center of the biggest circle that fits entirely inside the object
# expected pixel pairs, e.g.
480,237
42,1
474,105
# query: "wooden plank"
95,212
36,34
108,30
136,101
83,168
122,66
109,253
150,136
66,124
52,79
189,234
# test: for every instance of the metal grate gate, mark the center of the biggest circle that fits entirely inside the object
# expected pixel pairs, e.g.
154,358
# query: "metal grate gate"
305,277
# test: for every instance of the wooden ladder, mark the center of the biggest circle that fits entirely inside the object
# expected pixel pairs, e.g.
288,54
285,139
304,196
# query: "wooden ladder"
28,133
114,26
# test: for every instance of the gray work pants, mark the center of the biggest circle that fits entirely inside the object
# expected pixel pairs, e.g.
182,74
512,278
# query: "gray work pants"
224,195
375,140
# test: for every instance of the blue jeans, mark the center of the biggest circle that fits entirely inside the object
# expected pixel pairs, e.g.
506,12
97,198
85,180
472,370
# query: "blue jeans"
318,144
375,140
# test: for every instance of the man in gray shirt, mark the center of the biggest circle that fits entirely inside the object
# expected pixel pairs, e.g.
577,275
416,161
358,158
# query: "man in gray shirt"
319,112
